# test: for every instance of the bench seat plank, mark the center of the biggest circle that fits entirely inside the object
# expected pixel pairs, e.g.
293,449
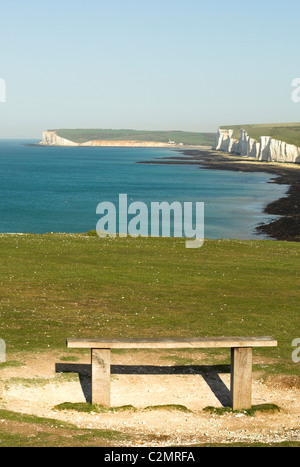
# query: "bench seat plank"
171,343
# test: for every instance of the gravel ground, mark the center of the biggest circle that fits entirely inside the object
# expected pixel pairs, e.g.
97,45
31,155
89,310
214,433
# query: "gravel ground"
44,381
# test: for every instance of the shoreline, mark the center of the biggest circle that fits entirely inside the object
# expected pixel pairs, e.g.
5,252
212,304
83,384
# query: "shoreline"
129,144
287,227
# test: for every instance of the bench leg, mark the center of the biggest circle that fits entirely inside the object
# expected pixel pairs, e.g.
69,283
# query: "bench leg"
241,378
101,377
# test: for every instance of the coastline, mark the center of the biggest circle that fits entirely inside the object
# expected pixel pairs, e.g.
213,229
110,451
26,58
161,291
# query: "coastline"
124,144
287,227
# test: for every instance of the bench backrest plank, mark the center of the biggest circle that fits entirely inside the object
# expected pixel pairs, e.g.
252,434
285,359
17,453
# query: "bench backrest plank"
171,343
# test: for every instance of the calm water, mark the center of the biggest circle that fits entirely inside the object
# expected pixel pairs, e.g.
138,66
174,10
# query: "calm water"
52,189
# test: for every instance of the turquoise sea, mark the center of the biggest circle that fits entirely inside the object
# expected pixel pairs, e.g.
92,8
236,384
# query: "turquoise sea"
57,189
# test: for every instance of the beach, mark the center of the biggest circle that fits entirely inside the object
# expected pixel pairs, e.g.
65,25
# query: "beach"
287,226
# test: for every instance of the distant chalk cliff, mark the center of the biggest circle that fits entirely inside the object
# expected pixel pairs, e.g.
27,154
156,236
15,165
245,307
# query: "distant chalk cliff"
267,149
50,138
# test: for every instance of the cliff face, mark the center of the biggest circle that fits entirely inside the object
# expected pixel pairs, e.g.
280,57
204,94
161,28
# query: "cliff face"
50,138
126,143
267,149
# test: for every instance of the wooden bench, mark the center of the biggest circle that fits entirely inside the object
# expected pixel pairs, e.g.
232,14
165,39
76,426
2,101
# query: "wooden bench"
241,360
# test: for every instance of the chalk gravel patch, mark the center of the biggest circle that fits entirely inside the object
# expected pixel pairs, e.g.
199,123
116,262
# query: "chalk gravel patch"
152,427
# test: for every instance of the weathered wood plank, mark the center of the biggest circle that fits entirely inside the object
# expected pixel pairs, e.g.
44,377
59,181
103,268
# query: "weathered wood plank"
101,377
241,378
172,343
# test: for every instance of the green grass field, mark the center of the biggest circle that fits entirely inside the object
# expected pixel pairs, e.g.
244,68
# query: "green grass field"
288,132
23,430
184,137
55,286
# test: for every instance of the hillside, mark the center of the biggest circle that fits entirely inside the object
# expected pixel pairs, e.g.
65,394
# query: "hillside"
178,137
287,132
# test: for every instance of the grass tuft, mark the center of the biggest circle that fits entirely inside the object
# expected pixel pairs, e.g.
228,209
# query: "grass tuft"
91,408
180,408
260,408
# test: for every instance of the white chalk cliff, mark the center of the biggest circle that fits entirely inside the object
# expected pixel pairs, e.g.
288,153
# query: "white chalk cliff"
267,149
50,138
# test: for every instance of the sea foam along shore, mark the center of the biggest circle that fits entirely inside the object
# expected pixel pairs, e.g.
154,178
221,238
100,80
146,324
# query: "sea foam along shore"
287,226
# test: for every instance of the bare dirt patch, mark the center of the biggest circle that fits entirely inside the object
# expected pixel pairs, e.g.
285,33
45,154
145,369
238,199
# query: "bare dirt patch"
284,382
42,381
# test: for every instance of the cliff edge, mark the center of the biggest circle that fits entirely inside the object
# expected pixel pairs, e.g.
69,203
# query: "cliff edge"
126,137
50,138
267,149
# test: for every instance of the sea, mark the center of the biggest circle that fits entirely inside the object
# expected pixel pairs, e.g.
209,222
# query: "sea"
57,189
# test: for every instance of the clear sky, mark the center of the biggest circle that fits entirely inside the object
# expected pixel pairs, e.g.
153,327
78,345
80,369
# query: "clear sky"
156,64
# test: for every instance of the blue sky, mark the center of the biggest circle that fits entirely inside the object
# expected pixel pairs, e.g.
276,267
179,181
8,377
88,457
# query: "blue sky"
167,64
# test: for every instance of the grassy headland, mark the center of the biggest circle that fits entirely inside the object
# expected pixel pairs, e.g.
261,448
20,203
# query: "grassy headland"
287,132
184,137
55,286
